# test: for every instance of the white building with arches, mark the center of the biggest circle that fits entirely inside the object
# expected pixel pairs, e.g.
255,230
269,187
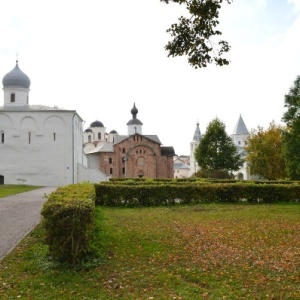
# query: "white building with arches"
39,145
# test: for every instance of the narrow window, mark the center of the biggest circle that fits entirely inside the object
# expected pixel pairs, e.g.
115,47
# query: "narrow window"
89,138
123,171
54,136
12,97
110,160
110,171
99,135
2,137
124,150
29,137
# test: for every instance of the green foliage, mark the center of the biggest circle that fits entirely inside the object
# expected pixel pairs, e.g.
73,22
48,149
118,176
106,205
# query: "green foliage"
264,152
69,222
216,150
193,35
291,137
197,192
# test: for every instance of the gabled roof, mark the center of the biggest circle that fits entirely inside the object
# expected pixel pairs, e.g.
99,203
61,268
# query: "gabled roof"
240,127
120,138
180,166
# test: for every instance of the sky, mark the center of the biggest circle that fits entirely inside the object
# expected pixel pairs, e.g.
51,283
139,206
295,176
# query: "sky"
101,57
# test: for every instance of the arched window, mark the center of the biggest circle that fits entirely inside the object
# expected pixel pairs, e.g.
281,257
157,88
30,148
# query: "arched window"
89,138
2,137
12,97
99,135
29,137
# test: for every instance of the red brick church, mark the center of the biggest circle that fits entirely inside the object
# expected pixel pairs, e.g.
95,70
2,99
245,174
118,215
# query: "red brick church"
128,156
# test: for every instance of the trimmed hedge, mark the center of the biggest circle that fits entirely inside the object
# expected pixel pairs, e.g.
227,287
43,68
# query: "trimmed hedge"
166,194
68,218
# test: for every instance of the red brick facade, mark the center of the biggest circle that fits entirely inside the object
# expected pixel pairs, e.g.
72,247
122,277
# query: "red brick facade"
138,156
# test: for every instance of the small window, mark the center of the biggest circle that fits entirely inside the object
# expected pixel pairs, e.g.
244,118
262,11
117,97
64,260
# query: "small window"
110,160
239,142
110,171
124,150
12,97
89,138
123,171
2,137
54,136
29,137
99,135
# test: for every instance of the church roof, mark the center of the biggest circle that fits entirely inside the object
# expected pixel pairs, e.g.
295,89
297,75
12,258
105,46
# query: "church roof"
197,134
240,127
31,108
96,124
16,78
167,151
119,138
134,121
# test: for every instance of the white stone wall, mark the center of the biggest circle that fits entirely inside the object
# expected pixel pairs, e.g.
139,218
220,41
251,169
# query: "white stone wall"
40,147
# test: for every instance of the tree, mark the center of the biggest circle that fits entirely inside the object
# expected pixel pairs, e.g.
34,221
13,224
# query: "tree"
291,137
192,36
264,152
216,150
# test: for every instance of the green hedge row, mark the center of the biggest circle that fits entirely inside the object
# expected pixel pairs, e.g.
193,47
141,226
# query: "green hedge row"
68,218
149,195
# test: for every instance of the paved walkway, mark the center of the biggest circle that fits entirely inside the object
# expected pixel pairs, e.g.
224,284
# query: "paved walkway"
19,214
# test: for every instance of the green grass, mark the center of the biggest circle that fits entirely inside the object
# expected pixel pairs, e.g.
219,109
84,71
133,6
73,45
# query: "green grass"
180,252
11,189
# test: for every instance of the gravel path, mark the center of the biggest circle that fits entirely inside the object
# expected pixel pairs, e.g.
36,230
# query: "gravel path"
19,214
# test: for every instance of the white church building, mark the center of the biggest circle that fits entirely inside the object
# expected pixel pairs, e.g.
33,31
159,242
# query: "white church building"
39,145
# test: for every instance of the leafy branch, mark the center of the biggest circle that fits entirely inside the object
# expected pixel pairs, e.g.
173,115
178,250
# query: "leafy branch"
193,36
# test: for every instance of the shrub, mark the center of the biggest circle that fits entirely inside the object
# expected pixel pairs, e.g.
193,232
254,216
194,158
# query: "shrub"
68,218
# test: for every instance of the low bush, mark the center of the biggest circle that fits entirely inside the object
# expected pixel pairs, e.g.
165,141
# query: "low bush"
68,218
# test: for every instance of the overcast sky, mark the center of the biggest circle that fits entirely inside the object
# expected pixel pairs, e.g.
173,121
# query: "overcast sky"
99,57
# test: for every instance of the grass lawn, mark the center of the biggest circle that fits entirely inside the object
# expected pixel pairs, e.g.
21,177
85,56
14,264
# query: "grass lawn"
12,189
180,252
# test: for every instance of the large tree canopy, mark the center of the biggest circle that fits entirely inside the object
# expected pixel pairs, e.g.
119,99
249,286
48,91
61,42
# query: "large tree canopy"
264,152
291,137
193,35
216,150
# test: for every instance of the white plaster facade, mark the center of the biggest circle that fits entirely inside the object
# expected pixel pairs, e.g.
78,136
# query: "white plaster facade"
39,145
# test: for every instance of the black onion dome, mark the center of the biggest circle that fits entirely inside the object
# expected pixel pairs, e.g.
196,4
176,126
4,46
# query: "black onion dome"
96,124
134,120
16,78
113,131
88,130
134,111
